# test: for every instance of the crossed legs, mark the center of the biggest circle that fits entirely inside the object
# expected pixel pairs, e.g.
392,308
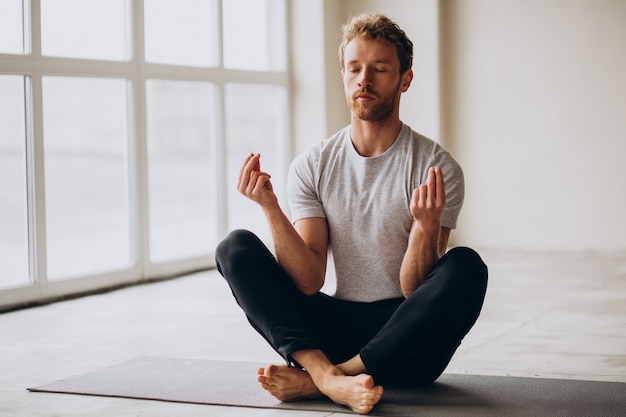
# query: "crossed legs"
342,348
297,327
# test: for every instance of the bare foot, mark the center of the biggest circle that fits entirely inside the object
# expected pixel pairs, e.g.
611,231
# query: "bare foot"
287,383
357,392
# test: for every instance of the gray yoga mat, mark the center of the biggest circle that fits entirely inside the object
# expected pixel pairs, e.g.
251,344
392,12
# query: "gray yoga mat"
234,384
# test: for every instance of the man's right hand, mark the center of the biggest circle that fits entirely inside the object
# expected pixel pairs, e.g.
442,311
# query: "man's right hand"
254,183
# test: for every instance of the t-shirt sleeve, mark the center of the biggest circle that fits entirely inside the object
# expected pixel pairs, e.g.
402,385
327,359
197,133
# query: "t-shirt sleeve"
455,191
302,187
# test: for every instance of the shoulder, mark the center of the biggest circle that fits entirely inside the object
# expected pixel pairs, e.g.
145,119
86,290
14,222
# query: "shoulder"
420,142
428,150
320,152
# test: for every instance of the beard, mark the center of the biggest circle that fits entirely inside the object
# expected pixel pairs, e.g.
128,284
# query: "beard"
379,111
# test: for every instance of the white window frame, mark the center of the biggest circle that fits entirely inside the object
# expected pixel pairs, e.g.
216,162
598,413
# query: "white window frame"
33,66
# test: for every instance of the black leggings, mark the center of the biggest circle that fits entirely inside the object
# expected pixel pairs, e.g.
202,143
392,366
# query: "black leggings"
401,341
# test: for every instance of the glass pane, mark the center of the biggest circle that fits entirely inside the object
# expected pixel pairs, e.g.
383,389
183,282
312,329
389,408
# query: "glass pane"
85,144
254,34
180,118
181,32
254,124
11,27
13,232
95,29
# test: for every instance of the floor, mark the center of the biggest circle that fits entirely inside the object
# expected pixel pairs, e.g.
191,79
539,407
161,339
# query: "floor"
546,315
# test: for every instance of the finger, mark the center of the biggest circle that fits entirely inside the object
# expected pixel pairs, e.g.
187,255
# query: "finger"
251,185
257,167
432,184
254,163
422,195
441,189
262,181
415,197
256,182
243,175
245,162
248,168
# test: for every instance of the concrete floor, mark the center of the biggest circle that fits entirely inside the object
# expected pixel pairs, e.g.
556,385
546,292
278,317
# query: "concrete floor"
546,315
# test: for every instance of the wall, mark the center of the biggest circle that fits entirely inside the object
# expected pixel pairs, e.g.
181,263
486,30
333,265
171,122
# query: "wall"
535,110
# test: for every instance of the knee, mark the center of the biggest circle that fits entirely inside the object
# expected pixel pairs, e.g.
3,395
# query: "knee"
235,249
469,264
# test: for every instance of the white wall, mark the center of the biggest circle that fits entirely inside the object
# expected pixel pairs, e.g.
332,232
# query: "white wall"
535,111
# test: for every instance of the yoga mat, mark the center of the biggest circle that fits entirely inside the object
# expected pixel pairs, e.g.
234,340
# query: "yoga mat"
234,384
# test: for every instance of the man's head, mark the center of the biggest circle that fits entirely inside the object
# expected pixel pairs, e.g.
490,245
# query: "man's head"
376,58
377,27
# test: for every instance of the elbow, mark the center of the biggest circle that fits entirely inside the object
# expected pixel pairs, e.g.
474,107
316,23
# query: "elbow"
408,287
406,292
313,283
310,292
311,289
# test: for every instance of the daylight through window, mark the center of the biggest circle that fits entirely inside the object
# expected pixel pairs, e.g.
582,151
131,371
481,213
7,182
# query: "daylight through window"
122,127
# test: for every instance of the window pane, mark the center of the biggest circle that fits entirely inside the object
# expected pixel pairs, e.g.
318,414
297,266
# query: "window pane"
254,35
11,27
181,32
95,29
13,232
85,144
254,123
182,192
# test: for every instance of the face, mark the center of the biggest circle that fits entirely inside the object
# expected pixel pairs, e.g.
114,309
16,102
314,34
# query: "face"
372,79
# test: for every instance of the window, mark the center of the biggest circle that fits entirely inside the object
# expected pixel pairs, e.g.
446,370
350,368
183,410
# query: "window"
13,214
11,27
85,136
177,32
181,131
123,125
262,132
95,29
264,19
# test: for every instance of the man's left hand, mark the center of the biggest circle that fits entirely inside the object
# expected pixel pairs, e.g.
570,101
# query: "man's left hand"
429,201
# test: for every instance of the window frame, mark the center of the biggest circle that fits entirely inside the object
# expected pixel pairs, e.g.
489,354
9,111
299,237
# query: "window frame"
136,71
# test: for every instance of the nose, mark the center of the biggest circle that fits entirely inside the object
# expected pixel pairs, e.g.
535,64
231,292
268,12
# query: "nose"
365,78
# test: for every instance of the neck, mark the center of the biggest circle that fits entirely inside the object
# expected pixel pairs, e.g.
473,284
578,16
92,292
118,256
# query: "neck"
374,138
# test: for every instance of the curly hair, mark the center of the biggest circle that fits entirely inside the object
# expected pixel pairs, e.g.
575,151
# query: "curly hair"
372,26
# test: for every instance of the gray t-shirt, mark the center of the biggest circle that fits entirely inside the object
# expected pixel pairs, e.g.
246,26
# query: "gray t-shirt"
366,204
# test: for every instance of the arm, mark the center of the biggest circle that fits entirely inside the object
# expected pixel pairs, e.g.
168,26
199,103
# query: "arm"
300,250
427,239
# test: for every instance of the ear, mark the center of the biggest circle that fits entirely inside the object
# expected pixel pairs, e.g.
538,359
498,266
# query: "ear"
407,77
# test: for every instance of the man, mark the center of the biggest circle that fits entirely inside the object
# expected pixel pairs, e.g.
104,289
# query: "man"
382,200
